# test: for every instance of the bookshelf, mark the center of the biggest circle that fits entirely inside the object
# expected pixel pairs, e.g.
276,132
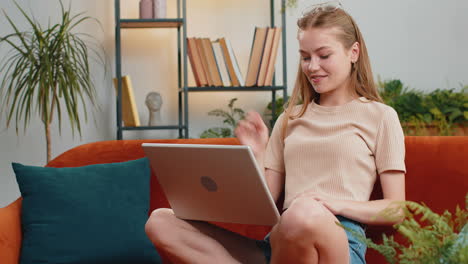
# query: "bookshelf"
180,25
151,23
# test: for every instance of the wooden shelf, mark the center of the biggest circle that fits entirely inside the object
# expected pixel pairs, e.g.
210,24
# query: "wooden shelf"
233,88
151,23
152,127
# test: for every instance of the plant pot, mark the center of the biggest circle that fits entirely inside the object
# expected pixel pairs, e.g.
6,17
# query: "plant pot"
433,130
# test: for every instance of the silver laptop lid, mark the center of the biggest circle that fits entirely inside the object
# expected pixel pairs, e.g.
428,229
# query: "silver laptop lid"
213,183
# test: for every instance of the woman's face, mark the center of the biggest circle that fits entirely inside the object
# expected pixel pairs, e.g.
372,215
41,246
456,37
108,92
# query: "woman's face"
325,61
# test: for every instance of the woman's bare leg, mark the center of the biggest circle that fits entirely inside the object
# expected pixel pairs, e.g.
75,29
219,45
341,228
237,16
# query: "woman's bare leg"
307,233
199,242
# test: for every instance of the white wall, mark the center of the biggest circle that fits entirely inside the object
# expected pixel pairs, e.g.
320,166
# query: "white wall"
421,42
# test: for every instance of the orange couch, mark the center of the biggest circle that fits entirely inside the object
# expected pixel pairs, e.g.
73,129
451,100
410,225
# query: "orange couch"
437,175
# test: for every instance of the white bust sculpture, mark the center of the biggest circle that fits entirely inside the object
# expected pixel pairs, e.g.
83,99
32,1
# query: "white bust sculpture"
154,102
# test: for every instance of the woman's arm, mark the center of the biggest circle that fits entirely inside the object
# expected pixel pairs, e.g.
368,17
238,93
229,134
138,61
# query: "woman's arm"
253,132
393,188
275,182
274,179
370,212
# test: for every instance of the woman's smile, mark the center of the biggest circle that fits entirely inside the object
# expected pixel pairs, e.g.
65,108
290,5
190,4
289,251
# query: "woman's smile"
316,79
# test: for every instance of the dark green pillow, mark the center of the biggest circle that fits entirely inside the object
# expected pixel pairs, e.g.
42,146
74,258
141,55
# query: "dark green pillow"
90,214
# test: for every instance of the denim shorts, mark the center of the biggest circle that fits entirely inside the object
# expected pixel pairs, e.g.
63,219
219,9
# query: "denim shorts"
357,249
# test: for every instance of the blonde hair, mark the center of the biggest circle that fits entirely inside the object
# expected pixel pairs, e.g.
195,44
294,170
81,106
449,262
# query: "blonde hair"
361,77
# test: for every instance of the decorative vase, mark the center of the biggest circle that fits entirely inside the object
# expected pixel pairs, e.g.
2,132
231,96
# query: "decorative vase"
159,8
146,9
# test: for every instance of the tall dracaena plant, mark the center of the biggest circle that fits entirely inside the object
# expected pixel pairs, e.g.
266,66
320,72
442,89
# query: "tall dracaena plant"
46,72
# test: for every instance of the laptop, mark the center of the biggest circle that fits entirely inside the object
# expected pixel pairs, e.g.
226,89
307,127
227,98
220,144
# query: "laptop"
220,183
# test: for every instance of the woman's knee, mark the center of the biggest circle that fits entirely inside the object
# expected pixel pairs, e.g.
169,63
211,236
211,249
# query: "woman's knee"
305,218
160,225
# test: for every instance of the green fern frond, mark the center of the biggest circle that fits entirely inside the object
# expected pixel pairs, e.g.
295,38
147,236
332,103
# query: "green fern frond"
433,238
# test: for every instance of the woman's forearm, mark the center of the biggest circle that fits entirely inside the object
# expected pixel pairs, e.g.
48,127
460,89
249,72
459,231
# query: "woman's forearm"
377,212
386,211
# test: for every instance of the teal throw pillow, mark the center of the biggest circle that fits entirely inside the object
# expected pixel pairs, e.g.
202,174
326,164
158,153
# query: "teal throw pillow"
90,214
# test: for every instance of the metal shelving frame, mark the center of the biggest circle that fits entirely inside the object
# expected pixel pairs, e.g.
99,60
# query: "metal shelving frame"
180,24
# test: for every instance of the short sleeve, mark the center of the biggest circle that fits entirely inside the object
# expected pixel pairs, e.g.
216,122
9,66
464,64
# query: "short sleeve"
390,144
274,155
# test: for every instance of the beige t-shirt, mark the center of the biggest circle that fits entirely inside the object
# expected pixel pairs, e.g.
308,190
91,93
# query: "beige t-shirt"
337,151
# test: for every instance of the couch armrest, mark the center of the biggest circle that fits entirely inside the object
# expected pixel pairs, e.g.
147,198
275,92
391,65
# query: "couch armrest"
10,232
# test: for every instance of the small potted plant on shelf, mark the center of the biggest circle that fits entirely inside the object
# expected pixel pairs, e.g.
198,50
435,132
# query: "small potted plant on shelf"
231,117
47,72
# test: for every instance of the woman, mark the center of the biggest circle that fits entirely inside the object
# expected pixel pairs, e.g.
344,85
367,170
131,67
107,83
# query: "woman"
325,154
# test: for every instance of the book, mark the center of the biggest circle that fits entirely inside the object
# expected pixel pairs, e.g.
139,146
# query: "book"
212,66
201,52
129,109
265,57
274,54
231,63
218,52
256,56
196,63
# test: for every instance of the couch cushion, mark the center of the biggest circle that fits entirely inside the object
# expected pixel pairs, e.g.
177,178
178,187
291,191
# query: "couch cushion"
90,214
10,232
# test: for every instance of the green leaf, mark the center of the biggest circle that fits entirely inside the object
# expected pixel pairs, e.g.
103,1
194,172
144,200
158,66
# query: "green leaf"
216,132
455,114
230,119
231,102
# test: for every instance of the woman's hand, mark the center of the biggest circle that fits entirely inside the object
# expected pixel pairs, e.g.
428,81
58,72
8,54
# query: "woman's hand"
253,132
369,212
333,205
